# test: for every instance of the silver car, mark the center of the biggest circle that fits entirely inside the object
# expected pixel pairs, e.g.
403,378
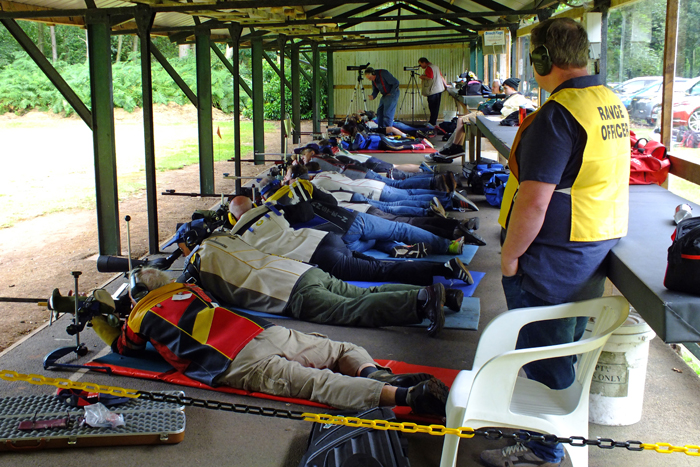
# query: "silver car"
646,105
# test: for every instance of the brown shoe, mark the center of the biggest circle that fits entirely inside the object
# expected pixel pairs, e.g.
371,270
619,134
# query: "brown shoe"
441,183
451,181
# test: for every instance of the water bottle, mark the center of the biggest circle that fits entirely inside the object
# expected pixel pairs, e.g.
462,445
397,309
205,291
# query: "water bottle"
683,211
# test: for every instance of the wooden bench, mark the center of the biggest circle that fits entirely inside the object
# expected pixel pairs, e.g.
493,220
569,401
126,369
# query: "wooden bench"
638,262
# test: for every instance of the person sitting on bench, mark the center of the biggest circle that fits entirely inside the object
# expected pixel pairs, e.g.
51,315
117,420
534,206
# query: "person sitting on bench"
217,346
513,101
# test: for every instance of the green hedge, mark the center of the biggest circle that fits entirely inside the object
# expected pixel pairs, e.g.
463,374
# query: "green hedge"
24,87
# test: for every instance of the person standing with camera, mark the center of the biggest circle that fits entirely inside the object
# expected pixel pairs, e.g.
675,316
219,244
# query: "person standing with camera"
384,82
434,85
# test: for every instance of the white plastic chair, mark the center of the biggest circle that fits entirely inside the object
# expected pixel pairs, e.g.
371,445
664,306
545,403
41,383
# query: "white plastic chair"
493,395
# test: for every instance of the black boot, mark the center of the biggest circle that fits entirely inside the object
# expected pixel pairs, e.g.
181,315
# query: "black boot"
432,308
454,299
428,397
405,380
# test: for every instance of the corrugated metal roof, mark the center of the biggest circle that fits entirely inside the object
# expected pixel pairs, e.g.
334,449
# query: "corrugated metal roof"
305,20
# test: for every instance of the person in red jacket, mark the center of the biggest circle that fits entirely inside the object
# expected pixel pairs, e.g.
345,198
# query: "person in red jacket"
218,346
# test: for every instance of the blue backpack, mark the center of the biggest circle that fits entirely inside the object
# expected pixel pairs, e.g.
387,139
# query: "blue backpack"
481,173
494,187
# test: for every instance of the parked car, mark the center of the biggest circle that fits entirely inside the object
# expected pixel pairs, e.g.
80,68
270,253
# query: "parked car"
646,105
686,111
633,86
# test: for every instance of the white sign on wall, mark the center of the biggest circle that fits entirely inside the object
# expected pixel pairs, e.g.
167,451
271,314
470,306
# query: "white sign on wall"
494,38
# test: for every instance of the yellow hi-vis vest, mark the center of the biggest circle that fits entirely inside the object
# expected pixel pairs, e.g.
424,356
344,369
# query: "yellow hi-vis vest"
600,193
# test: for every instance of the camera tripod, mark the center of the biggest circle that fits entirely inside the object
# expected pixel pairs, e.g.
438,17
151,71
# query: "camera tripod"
413,89
359,90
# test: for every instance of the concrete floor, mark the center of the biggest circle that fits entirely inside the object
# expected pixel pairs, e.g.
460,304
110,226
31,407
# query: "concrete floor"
221,438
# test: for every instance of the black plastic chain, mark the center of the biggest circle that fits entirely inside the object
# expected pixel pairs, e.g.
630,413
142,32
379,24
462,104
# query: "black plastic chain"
580,441
218,405
490,433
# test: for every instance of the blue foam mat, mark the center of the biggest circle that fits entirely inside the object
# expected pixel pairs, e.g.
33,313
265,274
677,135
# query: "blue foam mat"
468,252
466,318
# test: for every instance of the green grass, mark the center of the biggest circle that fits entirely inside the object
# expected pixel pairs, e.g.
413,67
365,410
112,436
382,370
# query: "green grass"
690,359
48,166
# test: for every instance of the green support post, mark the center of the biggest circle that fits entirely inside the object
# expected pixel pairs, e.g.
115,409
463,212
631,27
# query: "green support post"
472,56
144,22
281,41
258,101
513,53
107,200
204,112
330,82
316,89
479,61
235,31
296,94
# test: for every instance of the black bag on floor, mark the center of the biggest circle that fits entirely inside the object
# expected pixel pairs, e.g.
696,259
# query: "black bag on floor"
683,270
345,446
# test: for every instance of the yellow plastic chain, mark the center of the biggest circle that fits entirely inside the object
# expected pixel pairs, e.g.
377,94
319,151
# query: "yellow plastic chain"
435,430
9,375
384,425
666,448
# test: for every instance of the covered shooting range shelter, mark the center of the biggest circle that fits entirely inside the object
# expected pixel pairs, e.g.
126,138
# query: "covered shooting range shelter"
301,30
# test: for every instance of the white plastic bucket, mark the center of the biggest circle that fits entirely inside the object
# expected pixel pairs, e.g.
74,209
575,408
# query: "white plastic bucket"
448,115
617,388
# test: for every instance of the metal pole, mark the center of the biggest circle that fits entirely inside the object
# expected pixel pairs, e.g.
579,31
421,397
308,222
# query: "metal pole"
281,40
296,94
316,89
258,99
235,31
107,200
330,82
204,112
144,21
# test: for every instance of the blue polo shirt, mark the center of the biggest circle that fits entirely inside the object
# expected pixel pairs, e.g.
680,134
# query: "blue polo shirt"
384,83
551,151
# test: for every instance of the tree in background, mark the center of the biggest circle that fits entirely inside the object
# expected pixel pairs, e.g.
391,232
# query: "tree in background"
636,40
24,87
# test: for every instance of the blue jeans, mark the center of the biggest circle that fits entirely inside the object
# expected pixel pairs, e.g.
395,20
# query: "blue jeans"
399,208
391,194
387,109
369,231
555,373
419,181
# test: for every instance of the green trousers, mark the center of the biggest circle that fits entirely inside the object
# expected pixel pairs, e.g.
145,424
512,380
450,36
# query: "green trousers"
321,298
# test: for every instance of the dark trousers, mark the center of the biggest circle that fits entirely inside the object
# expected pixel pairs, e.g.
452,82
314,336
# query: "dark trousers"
334,257
435,225
434,106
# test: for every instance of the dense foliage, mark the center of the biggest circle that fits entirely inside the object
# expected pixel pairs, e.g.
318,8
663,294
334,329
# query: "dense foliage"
636,37
24,87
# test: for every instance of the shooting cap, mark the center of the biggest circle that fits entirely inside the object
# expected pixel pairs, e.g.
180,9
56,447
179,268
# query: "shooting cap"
369,70
188,231
512,83
312,146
